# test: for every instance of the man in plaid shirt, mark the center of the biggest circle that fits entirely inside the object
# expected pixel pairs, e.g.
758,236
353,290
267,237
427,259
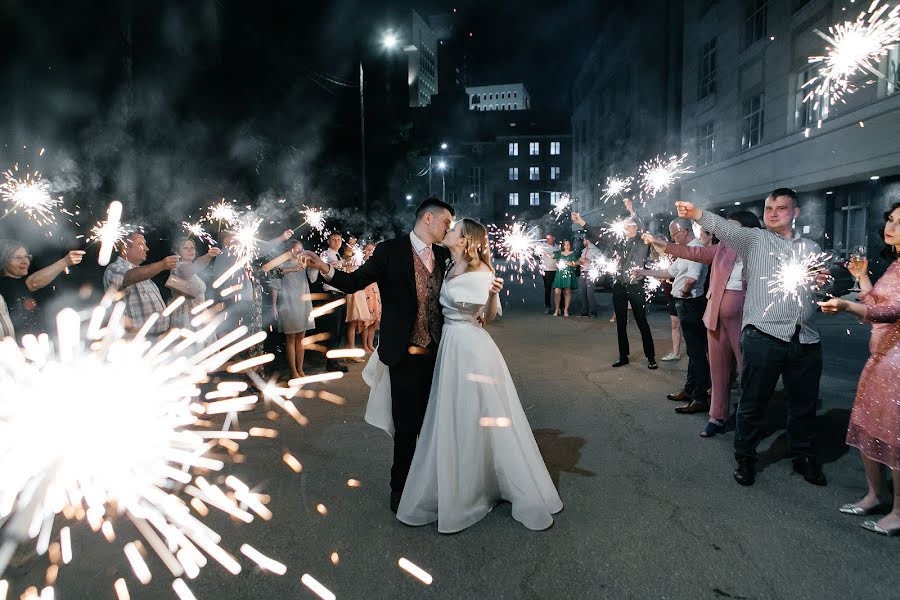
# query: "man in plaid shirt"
142,297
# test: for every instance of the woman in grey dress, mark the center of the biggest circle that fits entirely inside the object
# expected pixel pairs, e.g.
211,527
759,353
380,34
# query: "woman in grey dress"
185,281
292,305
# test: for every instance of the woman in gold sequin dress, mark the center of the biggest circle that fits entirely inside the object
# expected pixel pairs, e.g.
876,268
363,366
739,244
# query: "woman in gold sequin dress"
875,421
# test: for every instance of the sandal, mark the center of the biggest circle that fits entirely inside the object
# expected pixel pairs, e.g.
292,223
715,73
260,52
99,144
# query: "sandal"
712,429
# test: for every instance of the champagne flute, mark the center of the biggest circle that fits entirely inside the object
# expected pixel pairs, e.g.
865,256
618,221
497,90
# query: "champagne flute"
857,256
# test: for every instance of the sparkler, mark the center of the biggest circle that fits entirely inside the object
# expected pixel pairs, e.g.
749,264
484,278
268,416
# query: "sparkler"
197,230
652,284
565,202
314,217
246,242
30,194
618,228
854,47
223,213
110,232
602,265
797,273
616,186
71,444
518,245
658,175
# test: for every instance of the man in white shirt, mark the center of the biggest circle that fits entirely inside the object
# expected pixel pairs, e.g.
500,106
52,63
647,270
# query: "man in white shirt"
586,287
334,322
548,267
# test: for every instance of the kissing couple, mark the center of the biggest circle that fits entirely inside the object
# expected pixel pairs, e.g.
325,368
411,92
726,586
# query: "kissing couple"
439,383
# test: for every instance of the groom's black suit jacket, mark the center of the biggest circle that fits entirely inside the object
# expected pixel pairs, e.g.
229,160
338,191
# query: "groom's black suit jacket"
392,268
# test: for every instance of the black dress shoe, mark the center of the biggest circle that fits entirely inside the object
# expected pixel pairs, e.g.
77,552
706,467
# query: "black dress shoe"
395,501
651,364
621,362
745,474
335,366
810,469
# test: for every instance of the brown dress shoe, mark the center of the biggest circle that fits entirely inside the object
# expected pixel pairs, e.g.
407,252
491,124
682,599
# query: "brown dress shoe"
681,396
691,408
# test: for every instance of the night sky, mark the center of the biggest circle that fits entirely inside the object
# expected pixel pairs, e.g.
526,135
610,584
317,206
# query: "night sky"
179,102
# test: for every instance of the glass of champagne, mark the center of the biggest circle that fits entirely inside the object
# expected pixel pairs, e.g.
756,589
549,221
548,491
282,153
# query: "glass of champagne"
857,256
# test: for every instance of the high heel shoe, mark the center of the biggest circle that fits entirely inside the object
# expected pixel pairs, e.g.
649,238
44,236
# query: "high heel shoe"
712,429
874,528
858,511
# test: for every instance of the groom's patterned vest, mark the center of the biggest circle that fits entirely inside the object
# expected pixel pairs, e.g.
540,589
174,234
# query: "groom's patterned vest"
428,315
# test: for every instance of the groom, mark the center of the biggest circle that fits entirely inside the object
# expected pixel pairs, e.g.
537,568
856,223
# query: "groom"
409,271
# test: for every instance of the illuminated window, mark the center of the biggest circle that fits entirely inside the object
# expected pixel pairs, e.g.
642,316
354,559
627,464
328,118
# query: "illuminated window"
554,147
535,199
514,173
514,149
554,172
534,148
514,199
534,173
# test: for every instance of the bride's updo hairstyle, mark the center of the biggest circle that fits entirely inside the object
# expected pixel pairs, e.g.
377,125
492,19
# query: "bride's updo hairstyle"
477,247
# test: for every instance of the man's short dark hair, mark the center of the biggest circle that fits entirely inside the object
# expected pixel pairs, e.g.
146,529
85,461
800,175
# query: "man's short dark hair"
792,194
432,205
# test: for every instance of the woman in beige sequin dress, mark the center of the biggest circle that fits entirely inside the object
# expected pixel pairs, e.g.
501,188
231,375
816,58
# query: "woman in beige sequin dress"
875,421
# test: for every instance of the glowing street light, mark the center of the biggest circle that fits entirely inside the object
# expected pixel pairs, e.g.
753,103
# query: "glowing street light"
444,146
442,164
390,40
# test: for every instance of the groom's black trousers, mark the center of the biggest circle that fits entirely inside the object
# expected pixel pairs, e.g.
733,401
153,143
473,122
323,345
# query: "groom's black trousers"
410,387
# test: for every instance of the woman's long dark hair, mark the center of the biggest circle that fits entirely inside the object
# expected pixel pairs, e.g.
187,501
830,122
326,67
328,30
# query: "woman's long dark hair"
745,218
889,252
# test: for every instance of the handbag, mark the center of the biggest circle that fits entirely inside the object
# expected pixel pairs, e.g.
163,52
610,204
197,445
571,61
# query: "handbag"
182,286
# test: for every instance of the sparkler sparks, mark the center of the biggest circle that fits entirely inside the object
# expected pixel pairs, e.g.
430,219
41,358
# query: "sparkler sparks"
658,175
854,47
71,444
30,194
618,228
224,213
797,273
652,284
111,232
246,241
197,230
616,186
602,265
314,217
565,203
518,245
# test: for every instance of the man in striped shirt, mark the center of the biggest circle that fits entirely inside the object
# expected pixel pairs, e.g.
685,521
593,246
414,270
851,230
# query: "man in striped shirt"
778,337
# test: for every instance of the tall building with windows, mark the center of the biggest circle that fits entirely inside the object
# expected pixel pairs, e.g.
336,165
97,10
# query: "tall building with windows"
627,101
422,55
512,96
748,129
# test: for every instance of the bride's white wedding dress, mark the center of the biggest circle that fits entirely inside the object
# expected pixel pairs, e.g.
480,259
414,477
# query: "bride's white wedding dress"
476,447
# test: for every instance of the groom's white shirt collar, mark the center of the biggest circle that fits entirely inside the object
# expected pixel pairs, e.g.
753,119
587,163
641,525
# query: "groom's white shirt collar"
418,245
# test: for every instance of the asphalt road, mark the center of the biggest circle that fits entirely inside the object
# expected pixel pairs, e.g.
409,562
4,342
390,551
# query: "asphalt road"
651,510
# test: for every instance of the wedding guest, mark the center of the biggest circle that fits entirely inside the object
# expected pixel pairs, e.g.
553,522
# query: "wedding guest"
875,420
586,286
6,326
142,297
186,281
548,248
292,305
778,338
724,311
675,354
688,279
373,300
333,322
565,280
357,307
17,287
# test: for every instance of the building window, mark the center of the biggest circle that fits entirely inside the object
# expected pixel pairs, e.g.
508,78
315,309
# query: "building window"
752,121
707,76
534,148
451,198
514,149
554,147
534,173
535,199
555,197
754,21
554,172
514,173
514,198
809,113
893,70
706,144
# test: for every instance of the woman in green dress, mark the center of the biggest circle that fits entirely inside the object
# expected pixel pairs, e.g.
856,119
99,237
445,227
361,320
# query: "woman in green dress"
565,280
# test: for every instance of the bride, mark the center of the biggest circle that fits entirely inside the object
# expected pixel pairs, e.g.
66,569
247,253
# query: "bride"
476,447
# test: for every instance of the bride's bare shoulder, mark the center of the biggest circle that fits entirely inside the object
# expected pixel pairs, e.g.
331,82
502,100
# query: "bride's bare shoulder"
483,268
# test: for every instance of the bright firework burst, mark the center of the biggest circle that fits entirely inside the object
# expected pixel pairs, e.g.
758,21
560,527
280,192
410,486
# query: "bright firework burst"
246,240
658,175
854,47
616,186
797,274
30,194
565,203
602,265
223,213
106,427
618,228
518,245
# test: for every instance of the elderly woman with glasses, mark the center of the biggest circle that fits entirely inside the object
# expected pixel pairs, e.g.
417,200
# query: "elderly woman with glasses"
17,287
